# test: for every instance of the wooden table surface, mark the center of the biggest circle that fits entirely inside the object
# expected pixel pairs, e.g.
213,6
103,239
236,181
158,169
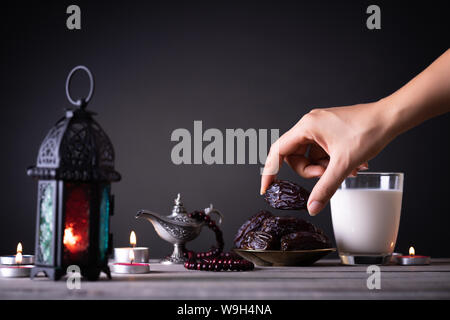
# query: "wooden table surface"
326,279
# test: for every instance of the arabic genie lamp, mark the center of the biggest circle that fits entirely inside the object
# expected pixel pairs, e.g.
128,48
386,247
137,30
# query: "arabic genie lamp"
177,228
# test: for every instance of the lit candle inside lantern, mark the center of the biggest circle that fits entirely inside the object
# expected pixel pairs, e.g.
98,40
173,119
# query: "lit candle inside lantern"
413,259
17,265
70,240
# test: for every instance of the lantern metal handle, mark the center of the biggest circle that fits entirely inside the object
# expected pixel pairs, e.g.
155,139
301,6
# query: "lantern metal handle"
82,103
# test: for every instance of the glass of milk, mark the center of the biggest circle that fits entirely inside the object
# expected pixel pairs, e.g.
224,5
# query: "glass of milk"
366,215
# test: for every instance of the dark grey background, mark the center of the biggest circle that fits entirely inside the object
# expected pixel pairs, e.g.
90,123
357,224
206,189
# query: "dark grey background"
248,64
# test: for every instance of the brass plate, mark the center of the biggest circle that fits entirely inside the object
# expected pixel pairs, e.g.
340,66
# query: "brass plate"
283,258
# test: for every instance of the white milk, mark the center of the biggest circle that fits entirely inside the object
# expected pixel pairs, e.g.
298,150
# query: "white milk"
366,221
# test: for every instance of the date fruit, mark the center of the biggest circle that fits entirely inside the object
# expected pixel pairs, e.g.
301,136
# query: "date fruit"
280,226
252,224
258,240
304,240
286,195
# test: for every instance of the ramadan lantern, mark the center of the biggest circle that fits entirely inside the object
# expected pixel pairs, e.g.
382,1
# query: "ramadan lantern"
75,168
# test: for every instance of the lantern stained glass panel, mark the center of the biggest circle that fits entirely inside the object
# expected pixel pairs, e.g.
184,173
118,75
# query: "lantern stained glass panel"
46,221
104,222
76,229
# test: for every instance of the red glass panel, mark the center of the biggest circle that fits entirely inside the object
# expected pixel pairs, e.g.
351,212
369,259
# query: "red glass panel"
76,229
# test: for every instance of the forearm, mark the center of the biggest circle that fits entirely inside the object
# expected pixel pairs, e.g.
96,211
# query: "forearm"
425,96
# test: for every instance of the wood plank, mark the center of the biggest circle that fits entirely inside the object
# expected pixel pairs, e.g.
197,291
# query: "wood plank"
324,280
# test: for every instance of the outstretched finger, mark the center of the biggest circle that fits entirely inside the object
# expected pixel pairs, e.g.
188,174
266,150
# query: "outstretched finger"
287,144
327,185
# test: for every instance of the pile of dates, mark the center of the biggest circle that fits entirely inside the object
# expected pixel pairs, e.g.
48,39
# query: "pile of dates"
264,231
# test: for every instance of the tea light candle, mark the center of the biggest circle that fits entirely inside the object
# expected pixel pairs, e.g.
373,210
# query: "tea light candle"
16,266
140,254
412,259
130,268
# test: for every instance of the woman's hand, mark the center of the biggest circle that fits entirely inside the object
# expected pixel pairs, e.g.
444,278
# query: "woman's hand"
332,144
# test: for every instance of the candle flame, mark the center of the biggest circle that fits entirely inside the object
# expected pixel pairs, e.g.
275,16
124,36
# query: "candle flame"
131,256
19,258
69,238
412,252
133,239
19,253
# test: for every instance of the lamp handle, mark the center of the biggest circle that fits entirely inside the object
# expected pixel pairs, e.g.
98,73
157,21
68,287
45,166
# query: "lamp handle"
210,210
82,103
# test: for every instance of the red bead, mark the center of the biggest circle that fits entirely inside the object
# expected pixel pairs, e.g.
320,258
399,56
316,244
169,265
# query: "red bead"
214,259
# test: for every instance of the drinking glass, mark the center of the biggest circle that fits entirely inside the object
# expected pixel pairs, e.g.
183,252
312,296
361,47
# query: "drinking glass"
365,211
